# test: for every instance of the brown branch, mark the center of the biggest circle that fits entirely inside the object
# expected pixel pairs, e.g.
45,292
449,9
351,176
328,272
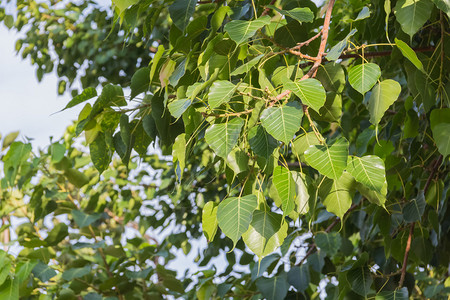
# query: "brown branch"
411,229
266,10
383,53
245,112
306,43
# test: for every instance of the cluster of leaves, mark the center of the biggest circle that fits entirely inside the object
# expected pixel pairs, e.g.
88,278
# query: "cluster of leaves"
299,143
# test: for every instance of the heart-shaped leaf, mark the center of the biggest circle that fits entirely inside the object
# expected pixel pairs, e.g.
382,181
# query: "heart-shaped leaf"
383,95
209,220
310,91
369,170
261,142
301,14
412,14
282,122
364,76
330,160
178,107
223,137
234,215
336,194
285,186
266,233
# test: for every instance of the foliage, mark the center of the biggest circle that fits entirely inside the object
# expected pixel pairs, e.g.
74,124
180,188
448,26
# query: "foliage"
308,144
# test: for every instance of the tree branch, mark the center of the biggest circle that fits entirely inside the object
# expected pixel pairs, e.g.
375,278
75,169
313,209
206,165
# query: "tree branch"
411,229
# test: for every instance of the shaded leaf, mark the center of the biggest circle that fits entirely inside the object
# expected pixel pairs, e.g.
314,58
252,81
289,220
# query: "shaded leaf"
337,49
361,280
83,219
298,277
240,30
414,209
383,95
409,54
330,242
273,288
301,14
282,122
181,11
412,14
43,272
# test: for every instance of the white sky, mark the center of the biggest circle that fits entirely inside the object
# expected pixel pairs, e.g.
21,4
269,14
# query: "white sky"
25,104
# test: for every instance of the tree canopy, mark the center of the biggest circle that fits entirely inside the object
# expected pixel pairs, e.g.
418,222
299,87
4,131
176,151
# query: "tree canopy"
307,142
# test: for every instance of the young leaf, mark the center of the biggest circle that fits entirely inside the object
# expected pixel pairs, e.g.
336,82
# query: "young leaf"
282,122
223,137
234,215
383,95
409,54
310,91
330,160
364,76
209,220
336,195
368,170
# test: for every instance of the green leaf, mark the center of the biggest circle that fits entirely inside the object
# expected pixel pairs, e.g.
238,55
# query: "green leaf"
301,14
88,93
361,280
301,192
330,160
337,49
73,273
5,266
369,170
57,151
266,233
166,71
409,54
262,143
234,215
330,242
310,91
23,269
83,219
245,68
439,116
209,220
17,155
336,194
401,294
43,272
9,139
100,154
76,177
154,63
414,209
412,14
441,138
282,122
57,234
378,198
123,4
181,11
332,77
285,186
179,155
9,290
298,277
302,142
443,5
273,288
262,266
363,14
223,137
364,76
140,82
383,95
178,107
240,30
220,93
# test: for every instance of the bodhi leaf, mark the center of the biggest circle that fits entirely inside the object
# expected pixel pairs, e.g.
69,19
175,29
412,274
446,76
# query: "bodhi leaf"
330,160
301,193
336,195
273,288
10,289
332,77
409,54
282,122
310,91
43,272
285,186
181,11
223,137
220,92
337,49
245,68
140,82
100,154
266,233
441,137
301,14
299,278
234,215
360,280
179,155
209,220
401,294
261,142
364,76
368,170
87,94
383,95
302,142
179,106
240,30
412,14
328,242
83,219
414,209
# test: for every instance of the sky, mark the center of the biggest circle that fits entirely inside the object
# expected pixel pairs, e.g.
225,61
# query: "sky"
26,104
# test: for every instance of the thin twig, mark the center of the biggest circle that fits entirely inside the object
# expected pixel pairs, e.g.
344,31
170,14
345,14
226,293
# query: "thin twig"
266,11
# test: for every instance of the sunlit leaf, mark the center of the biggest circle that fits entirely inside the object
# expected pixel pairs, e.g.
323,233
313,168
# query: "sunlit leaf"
224,136
368,170
310,91
412,14
240,30
363,77
282,122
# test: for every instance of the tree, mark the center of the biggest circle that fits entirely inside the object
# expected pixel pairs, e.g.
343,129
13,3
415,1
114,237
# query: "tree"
308,144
